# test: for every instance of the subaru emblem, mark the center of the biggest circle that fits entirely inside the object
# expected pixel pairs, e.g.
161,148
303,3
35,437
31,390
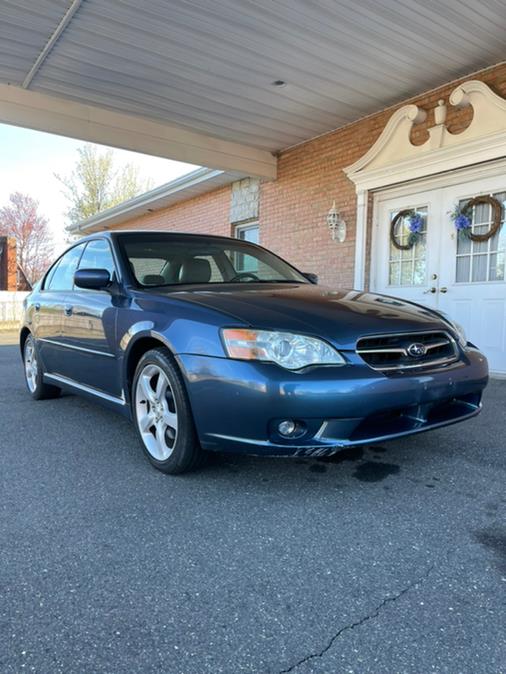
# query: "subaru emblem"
416,350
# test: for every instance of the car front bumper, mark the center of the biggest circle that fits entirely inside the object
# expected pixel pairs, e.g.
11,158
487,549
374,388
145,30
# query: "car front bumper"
237,405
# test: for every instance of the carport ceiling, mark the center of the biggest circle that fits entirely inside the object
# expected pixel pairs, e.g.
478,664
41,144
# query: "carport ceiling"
209,66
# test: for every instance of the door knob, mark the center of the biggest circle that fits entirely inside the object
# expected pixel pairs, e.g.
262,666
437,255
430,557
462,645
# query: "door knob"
443,290
430,290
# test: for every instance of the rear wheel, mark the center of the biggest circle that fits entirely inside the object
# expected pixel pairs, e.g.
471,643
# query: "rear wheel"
162,414
34,373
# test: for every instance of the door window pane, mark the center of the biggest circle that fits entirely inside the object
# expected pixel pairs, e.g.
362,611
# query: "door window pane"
408,267
419,275
481,261
63,276
463,267
406,273
480,268
98,255
394,274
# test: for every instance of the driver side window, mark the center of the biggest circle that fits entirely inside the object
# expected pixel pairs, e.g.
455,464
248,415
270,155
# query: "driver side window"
62,275
98,255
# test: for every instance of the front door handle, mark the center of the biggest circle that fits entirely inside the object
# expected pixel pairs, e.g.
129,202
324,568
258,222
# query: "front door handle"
36,306
68,310
430,290
443,290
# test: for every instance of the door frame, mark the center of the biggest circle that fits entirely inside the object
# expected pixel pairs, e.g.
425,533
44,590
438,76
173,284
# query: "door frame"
453,178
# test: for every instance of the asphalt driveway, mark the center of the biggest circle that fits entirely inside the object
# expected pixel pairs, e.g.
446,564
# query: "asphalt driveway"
389,559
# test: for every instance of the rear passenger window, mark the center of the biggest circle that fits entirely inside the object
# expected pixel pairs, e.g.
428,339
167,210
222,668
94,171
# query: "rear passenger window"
62,276
98,255
216,275
148,266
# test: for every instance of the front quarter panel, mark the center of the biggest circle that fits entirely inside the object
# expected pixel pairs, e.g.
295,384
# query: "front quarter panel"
184,328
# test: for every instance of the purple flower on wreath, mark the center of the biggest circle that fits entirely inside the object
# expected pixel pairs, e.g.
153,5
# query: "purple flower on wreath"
462,222
415,223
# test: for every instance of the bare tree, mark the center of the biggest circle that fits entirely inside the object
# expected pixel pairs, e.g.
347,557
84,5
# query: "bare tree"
96,183
21,220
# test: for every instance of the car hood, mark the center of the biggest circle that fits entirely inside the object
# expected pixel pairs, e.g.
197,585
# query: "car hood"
340,316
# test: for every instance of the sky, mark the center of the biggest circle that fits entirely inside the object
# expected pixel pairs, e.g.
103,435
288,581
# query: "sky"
29,159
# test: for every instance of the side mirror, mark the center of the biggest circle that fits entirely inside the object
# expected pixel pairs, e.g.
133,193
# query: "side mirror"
311,277
92,279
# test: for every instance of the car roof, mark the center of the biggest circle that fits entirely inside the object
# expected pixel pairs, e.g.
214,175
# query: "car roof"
119,232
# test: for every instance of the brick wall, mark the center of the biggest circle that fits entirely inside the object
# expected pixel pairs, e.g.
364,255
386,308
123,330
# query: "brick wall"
8,265
293,208
206,213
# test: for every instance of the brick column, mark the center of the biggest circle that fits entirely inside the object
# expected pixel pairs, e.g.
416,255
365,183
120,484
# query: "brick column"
12,267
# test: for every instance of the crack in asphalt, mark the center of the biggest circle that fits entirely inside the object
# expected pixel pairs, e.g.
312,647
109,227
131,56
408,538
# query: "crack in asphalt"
370,616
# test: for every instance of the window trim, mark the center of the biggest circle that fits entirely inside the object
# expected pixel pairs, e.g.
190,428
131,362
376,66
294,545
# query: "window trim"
113,258
244,228
52,268
50,272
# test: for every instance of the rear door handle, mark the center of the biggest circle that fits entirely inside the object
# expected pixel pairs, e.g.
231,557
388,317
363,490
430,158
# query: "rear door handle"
68,310
36,306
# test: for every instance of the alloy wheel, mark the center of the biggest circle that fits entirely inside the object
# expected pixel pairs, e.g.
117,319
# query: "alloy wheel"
156,412
31,366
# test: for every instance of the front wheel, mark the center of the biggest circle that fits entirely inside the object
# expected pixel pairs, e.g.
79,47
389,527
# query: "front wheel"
34,373
162,414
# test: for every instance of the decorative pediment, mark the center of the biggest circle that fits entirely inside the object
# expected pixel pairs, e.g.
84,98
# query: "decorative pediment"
393,157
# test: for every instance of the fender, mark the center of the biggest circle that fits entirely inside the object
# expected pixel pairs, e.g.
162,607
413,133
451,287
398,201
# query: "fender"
127,342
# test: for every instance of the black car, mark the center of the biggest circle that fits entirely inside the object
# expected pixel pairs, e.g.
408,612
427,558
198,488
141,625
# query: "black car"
211,343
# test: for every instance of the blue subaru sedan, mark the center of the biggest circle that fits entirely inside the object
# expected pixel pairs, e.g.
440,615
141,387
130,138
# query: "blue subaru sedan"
210,343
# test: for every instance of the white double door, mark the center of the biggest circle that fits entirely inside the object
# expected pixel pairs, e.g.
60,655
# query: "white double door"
443,269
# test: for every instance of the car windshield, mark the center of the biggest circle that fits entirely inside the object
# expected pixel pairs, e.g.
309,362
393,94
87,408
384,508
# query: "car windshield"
163,260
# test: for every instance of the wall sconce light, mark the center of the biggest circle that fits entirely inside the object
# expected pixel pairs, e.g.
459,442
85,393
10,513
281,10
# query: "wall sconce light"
336,224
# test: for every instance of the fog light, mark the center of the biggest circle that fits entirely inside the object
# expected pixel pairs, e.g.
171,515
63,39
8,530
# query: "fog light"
287,427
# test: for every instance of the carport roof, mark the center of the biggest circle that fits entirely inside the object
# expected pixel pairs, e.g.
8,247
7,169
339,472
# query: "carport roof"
209,68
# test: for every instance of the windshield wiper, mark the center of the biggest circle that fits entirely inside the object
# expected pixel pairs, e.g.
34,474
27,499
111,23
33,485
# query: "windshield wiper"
276,280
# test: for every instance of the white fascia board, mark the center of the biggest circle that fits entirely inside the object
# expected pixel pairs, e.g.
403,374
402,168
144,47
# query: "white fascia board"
66,117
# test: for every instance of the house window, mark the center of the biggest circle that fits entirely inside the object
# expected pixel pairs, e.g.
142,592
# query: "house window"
250,233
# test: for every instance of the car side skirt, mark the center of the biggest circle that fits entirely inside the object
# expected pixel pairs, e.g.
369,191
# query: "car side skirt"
72,386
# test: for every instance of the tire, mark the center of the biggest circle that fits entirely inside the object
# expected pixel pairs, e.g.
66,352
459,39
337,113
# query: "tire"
34,373
162,414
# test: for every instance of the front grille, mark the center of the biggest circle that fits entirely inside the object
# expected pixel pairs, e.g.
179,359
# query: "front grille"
408,351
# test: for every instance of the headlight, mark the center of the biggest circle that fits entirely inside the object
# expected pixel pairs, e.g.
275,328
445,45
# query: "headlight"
456,326
460,332
284,348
